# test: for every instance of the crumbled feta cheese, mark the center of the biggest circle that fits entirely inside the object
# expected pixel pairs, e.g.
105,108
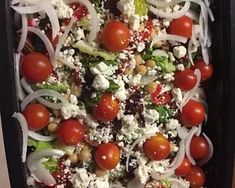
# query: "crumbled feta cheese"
176,8
100,83
101,135
142,173
121,93
150,116
69,110
158,167
82,178
180,67
103,69
101,183
127,7
73,99
179,51
78,33
134,22
171,56
135,80
140,47
172,124
166,23
177,94
90,121
169,77
62,10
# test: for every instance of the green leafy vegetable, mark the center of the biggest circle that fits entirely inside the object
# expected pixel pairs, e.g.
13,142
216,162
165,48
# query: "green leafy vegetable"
93,100
51,164
164,112
59,87
39,145
112,86
141,7
166,183
90,50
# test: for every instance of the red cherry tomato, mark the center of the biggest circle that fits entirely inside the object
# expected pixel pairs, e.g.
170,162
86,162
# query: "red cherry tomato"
196,177
185,80
106,109
36,67
185,168
80,11
206,70
70,132
181,26
193,113
199,147
37,116
115,36
157,147
147,29
107,156
160,99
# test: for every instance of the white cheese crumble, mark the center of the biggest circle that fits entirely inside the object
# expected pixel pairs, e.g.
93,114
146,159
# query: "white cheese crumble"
180,67
172,124
100,83
121,94
69,110
73,99
177,94
140,47
150,116
127,7
134,22
179,51
102,68
135,80
62,10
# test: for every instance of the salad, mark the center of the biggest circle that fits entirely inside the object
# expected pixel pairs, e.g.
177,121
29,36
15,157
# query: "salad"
111,92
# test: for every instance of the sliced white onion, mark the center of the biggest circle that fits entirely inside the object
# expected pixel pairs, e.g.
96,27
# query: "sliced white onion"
47,43
136,142
173,15
164,37
192,132
94,27
19,89
163,4
199,130
43,92
39,137
24,33
205,55
190,51
65,62
29,90
165,175
37,169
147,79
135,183
24,129
179,182
182,132
27,9
211,151
189,95
64,36
13,2
193,15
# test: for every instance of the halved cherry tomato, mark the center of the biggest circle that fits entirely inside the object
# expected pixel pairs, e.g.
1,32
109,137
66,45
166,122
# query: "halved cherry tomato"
185,80
199,147
181,26
196,177
206,69
70,132
146,33
193,113
37,116
115,36
157,147
36,67
107,156
160,99
106,109
185,168
80,11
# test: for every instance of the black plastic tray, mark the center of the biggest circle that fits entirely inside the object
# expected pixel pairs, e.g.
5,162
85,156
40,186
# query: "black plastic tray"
220,96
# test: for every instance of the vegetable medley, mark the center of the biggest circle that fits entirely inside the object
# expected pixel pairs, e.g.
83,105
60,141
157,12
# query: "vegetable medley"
111,92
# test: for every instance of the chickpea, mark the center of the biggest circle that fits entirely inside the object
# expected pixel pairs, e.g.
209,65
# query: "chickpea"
158,44
75,90
100,172
151,87
53,127
73,158
141,69
84,155
128,71
84,146
151,64
138,59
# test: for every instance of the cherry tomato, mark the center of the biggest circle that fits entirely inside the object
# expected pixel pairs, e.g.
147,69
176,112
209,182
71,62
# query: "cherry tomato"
157,147
107,156
185,168
199,147
70,132
115,36
206,70
181,26
160,99
196,177
106,109
80,11
147,29
37,116
36,67
185,80
193,113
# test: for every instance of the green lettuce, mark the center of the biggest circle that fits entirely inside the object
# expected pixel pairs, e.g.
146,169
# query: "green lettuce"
141,7
59,87
164,113
90,50
51,164
40,145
